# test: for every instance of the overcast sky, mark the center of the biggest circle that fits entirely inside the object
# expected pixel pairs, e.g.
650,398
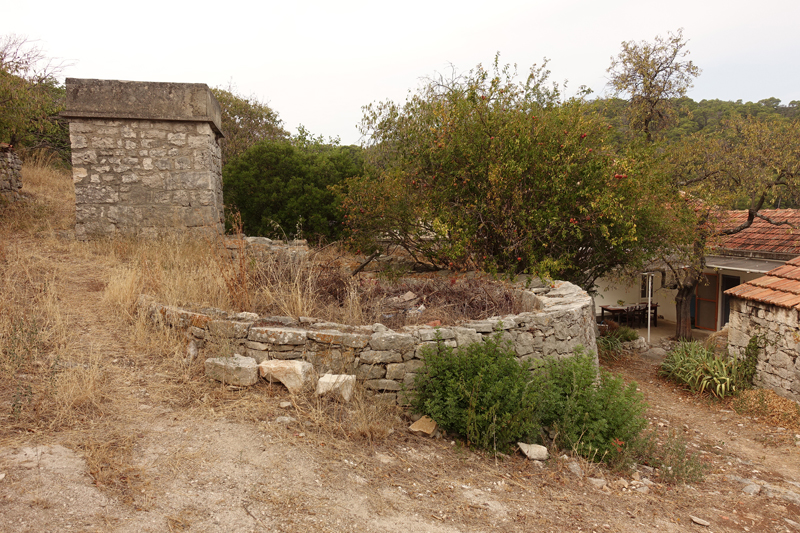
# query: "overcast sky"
318,62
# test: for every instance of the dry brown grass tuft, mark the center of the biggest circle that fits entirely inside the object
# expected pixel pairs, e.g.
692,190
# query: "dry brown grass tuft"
366,418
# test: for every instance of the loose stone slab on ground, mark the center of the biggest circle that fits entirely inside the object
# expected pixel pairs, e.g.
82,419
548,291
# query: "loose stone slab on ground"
236,370
534,452
340,386
425,426
295,375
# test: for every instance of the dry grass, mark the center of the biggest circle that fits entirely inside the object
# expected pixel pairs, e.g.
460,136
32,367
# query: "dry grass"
767,406
365,419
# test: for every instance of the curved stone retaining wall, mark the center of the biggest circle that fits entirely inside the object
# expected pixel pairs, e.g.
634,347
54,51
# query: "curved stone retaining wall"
560,320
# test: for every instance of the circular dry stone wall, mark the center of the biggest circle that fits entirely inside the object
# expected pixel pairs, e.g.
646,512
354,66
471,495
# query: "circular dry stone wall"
559,320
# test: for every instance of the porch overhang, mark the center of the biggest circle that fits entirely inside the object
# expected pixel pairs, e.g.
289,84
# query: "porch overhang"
742,264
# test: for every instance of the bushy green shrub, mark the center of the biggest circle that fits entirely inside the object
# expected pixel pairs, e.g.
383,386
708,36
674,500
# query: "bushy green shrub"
485,394
589,410
689,363
481,392
626,334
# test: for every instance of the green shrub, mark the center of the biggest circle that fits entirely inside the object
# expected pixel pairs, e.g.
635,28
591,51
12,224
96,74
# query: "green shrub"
626,334
747,366
589,410
484,393
481,392
608,347
690,364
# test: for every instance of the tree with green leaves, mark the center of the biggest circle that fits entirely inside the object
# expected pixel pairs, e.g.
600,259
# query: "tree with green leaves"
746,159
651,76
245,122
482,171
285,188
30,96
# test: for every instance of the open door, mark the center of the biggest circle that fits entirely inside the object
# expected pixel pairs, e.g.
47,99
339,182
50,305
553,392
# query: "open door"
728,282
707,302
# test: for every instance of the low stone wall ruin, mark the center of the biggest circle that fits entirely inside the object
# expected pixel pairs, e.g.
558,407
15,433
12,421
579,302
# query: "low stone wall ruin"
560,319
779,359
10,173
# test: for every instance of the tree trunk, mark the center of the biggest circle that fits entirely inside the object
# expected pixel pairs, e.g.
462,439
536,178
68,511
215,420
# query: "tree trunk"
683,313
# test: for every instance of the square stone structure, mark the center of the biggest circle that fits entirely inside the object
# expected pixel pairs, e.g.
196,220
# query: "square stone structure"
145,157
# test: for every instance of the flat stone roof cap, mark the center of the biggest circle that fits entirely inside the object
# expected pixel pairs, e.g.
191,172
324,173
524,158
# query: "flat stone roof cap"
142,100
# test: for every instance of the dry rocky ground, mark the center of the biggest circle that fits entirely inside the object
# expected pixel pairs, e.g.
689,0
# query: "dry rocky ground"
131,437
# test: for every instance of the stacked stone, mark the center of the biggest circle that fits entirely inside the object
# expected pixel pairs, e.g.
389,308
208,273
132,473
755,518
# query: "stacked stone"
778,365
145,157
10,173
263,249
386,361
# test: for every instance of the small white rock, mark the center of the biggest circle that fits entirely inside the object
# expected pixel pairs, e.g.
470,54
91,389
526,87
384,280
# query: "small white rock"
534,452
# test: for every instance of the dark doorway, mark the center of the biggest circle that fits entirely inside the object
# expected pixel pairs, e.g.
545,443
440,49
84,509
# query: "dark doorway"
728,282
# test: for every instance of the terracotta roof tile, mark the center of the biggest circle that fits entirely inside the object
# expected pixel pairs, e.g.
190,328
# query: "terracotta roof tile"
780,286
762,236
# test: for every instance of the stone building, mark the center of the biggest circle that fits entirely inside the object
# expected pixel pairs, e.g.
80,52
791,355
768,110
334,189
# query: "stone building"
769,307
145,156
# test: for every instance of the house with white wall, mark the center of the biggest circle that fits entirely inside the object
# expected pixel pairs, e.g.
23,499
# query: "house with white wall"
737,259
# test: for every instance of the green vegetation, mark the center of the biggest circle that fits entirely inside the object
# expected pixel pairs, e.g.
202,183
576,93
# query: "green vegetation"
587,409
285,188
484,171
245,121
30,98
690,364
481,392
485,394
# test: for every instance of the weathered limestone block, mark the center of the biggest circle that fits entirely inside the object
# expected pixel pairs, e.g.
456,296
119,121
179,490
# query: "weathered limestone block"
376,357
236,370
364,372
353,340
281,336
295,375
382,385
229,329
326,336
395,371
390,340
432,334
466,336
333,361
258,355
340,386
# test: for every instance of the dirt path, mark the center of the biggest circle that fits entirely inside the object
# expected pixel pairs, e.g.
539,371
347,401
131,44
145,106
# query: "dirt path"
218,460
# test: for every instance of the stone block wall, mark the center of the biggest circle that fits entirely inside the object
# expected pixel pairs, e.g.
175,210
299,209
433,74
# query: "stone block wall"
779,361
145,157
560,319
10,173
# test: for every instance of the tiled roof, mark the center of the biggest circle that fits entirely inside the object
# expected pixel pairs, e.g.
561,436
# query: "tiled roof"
780,286
762,236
